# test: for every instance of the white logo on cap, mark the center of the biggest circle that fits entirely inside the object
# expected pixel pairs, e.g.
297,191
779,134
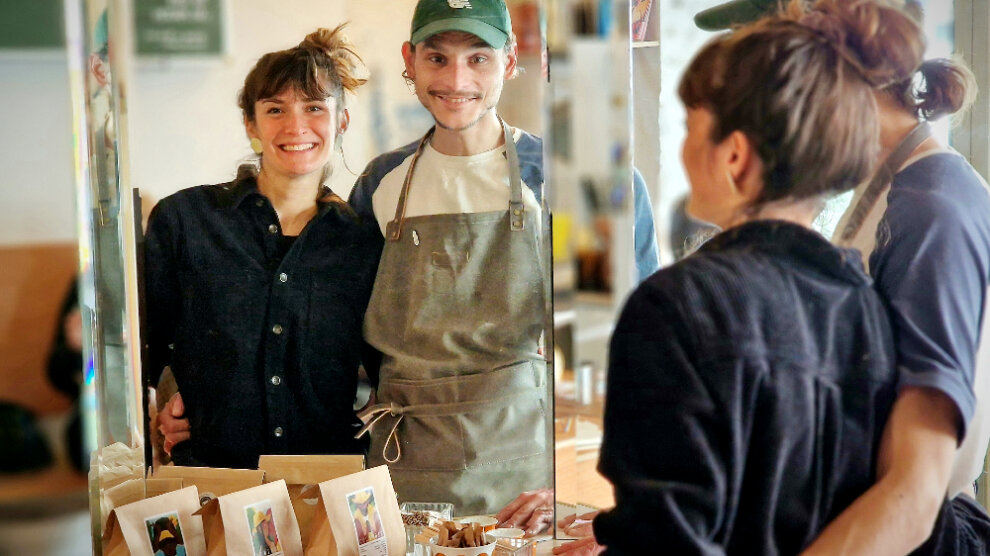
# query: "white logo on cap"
460,4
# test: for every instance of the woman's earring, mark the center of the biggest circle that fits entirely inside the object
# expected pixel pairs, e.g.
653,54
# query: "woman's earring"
338,142
732,181
256,145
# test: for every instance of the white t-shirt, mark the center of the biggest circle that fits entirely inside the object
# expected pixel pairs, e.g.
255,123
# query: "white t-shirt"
445,184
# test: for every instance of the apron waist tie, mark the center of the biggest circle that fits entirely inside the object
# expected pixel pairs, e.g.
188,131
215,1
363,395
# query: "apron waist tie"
372,415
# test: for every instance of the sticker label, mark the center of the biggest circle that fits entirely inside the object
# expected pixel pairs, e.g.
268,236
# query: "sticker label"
264,533
165,534
368,527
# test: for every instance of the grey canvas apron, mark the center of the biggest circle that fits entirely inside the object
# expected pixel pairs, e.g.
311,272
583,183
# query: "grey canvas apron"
458,309
859,226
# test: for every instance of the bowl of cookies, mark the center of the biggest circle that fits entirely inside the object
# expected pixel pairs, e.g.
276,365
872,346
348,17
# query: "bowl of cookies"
461,539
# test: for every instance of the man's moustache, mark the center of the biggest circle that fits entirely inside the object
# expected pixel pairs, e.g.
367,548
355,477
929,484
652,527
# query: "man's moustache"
448,93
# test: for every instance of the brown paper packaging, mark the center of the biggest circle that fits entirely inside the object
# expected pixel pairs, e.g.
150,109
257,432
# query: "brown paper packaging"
212,482
358,515
161,523
157,487
302,474
254,521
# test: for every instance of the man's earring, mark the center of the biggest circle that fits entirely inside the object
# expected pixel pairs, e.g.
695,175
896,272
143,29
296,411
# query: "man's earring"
410,81
256,145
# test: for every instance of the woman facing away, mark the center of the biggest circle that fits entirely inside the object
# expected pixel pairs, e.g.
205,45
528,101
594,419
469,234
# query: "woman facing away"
925,238
257,288
749,384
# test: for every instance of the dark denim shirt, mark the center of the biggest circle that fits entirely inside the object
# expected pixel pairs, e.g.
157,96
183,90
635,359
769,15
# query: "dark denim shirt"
748,386
265,349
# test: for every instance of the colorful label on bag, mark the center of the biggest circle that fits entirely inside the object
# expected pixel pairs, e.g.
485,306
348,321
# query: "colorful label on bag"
368,527
264,533
165,534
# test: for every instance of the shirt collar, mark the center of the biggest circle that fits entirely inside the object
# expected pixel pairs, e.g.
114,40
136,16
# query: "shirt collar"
240,189
245,185
795,241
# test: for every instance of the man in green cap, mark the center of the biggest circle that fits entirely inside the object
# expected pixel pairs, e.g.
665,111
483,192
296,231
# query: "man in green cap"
460,303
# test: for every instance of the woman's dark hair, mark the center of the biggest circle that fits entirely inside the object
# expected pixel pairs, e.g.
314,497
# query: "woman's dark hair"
941,87
800,86
323,65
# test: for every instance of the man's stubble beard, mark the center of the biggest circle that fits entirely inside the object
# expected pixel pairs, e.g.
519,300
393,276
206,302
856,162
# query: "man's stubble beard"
464,127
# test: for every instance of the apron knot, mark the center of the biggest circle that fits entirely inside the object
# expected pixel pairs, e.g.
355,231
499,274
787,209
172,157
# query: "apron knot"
371,415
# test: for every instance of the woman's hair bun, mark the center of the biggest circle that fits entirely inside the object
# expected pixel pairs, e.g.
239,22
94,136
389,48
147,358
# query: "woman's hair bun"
338,49
947,86
326,40
882,41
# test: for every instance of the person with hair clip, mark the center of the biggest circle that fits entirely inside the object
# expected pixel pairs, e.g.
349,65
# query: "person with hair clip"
257,288
922,225
762,367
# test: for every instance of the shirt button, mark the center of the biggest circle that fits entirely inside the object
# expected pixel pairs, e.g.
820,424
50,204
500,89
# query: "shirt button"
272,228
276,380
260,203
277,329
278,432
283,277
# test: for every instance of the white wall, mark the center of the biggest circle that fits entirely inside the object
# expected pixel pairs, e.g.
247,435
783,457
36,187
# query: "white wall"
185,127
184,124
36,182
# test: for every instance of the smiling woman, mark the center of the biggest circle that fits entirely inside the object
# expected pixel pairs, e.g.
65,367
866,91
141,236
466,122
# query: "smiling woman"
237,272
295,133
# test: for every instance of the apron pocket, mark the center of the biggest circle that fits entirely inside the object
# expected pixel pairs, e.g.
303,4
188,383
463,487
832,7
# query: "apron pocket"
505,433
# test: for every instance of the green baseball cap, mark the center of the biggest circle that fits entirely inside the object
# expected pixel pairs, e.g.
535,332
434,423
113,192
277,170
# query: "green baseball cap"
735,12
486,19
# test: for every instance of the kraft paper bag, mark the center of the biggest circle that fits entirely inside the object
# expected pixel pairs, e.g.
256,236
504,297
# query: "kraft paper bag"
302,474
159,526
358,515
253,522
212,482
308,470
120,495
134,490
156,487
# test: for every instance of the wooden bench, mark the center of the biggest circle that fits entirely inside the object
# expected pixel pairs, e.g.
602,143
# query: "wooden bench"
33,285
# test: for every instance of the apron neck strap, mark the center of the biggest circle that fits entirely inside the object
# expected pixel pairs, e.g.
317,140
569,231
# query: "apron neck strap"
904,149
393,230
863,204
517,211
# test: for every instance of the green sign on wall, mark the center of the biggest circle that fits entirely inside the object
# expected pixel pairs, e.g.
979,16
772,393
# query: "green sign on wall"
178,27
34,24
